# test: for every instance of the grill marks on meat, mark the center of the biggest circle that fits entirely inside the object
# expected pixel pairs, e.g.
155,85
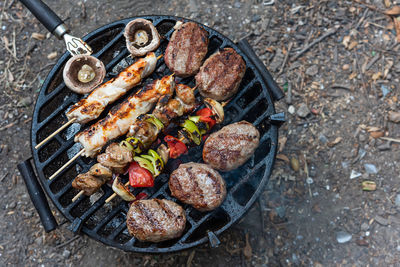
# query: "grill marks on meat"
120,118
232,146
93,105
220,76
186,49
155,220
198,185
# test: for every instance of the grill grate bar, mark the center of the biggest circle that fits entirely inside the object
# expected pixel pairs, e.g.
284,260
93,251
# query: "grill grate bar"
108,218
117,231
64,147
63,190
108,45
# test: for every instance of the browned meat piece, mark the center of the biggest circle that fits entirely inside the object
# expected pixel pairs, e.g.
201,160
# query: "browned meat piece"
115,157
186,49
145,131
231,146
155,220
198,185
100,171
220,76
88,183
185,93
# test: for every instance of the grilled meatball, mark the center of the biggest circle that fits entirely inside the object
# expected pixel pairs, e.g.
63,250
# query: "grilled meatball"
155,220
231,146
199,185
186,49
88,183
220,76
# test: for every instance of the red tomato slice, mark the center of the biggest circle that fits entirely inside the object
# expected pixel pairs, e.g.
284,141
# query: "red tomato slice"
205,116
139,177
176,147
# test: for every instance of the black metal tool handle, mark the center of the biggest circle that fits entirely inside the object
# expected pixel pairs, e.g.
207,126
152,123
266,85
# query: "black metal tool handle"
276,92
43,13
37,196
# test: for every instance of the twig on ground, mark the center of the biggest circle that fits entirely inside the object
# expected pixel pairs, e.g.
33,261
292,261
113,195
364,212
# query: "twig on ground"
340,86
286,58
67,242
361,73
329,32
397,140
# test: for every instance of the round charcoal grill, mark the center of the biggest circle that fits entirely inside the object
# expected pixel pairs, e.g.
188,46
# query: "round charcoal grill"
107,222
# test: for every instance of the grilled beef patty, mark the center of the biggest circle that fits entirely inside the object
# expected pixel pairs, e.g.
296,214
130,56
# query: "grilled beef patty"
186,49
155,220
198,185
231,146
220,76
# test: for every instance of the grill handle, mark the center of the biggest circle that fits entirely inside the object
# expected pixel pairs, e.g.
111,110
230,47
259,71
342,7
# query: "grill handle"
43,13
276,92
37,196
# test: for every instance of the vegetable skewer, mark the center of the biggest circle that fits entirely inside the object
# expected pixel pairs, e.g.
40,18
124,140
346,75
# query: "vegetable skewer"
93,105
117,122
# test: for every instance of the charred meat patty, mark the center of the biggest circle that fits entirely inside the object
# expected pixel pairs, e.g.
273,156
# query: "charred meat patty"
232,146
198,185
186,49
220,76
155,220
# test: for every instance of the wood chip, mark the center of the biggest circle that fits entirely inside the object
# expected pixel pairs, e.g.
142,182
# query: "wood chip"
352,45
394,116
247,250
335,142
376,134
38,36
52,55
282,157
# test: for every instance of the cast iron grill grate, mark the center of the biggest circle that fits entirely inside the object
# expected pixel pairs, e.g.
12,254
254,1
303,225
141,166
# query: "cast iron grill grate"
106,222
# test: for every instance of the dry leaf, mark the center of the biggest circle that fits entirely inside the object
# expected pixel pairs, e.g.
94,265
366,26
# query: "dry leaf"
387,3
346,41
247,250
394,11
376,134
394,116
10,76
352,45
281,143
282,157
376,76
38,36
52,55
335,142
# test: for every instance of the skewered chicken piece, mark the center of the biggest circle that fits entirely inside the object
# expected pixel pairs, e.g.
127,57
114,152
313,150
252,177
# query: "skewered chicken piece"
118,121
92,106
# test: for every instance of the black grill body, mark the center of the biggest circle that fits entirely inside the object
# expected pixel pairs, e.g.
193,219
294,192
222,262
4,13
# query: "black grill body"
106,222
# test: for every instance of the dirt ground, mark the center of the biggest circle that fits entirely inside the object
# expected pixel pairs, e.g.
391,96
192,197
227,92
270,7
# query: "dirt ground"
338,64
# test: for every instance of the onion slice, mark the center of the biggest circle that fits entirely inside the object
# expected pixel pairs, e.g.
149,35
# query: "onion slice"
216,107
120,189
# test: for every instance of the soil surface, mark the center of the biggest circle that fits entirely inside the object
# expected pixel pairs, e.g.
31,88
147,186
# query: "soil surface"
338,64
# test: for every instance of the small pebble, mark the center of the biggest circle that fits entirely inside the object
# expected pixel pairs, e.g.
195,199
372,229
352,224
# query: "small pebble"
313,70
397,200
346,67
291,109
66,253
370,168
343,237
322,138
364,226
381,220
309,180
303,110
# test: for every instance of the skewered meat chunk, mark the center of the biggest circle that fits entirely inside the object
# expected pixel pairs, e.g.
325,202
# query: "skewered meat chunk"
232,146
220,76
155,220
100,171
88,183
119,119
92,106
185,93
115,157
186,49
198,185
145,131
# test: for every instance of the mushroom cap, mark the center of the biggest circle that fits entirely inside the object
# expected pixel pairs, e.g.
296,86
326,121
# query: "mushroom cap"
72,67
153,37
